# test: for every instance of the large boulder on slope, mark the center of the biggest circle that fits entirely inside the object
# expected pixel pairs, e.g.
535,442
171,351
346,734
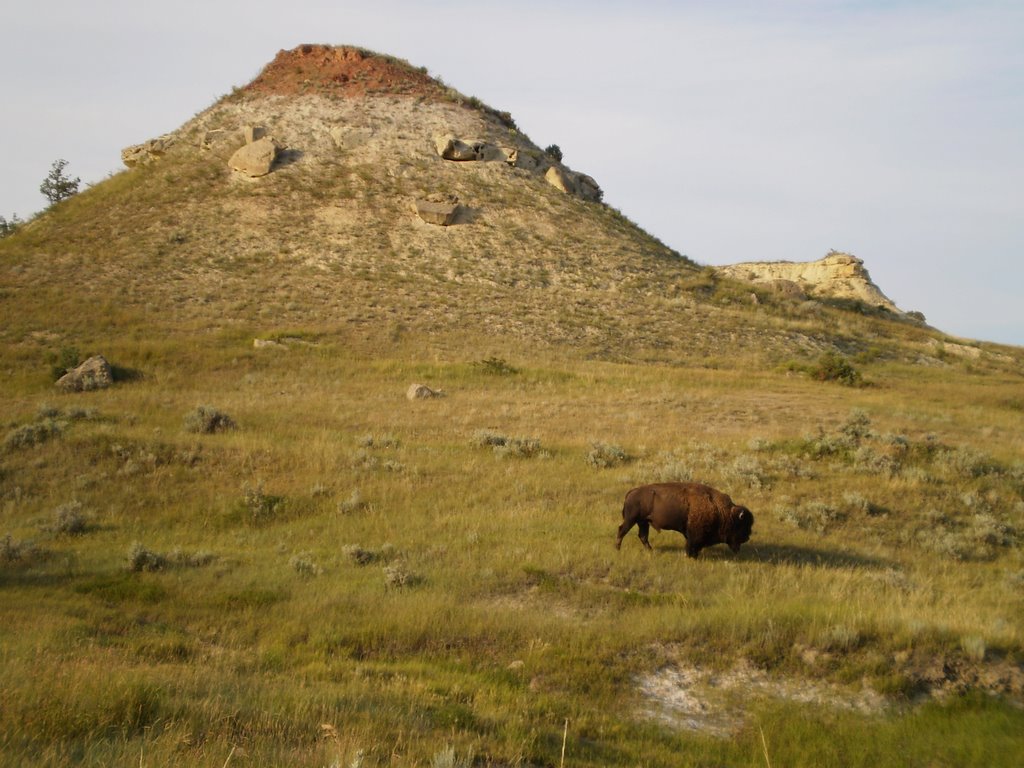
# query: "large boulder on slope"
256,158
94,373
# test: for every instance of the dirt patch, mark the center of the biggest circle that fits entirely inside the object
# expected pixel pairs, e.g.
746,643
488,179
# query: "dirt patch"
342,71
715,702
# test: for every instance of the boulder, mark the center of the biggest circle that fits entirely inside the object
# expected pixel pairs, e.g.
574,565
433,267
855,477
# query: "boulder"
94,373
422,392
451,148
253,133
558,178
440,211
147,152
528,160
572,183
587,188
257,158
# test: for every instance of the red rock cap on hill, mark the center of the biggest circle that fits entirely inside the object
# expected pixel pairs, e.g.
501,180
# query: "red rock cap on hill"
341,71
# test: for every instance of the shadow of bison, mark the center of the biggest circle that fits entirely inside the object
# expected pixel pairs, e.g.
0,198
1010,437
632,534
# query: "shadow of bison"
702,514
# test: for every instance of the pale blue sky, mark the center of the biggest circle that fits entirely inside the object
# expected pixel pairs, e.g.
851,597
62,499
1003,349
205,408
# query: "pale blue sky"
733,131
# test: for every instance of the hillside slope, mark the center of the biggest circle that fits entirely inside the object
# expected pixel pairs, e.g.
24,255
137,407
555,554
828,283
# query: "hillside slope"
329,240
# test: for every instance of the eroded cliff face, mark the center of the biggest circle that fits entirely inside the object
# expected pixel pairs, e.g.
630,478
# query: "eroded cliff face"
837,275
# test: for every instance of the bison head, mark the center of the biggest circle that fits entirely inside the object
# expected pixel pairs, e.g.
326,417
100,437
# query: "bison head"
740,524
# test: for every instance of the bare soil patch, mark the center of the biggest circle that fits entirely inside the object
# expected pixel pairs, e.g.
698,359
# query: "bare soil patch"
714,702
341,71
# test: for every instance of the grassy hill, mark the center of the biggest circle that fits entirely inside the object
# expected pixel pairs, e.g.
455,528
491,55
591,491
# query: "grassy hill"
347,577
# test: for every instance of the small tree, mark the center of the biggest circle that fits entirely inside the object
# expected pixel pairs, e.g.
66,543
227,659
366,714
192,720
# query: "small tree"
57,186
554,152
8,227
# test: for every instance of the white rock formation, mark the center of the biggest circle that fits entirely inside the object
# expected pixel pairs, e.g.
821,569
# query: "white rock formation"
837,275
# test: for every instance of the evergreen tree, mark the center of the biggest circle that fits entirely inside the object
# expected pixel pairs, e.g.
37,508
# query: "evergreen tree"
57,186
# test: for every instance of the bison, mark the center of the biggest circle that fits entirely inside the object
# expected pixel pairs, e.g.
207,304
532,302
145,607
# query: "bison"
703,515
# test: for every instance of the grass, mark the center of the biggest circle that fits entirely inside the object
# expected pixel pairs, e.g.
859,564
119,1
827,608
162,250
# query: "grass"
477,602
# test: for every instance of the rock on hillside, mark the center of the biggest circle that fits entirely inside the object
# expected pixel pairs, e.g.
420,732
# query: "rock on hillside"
837,275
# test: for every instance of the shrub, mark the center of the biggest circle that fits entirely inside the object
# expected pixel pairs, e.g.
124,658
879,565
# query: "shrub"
69,520
142,559
748,470
554,152
813,516
358,555
605,455
966,462
396,576
669,468
67,359
507,447
354,503
496,366
16,552
856,428
304,565
835,367
57,185
182,559
9,226
858,503
258,505
206,420
483,438
519,448
30,435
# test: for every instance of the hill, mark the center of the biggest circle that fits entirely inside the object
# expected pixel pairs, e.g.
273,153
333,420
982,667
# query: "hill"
253,548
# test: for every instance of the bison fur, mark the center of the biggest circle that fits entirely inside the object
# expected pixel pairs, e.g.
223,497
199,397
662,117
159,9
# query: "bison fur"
702,514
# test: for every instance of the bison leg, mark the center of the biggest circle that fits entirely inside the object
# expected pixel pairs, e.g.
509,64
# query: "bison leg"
692,549
645,529
623,530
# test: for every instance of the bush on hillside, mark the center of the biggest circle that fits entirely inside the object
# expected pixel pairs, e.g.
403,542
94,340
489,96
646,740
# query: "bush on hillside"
9,226
554,152
206,420
835,367
57,185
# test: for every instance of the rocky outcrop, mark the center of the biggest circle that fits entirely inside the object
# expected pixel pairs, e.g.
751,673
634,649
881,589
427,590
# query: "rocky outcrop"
837,275
573,183
437,210
422,392
147,152
94,373
251,133
255,158
451,148
580,185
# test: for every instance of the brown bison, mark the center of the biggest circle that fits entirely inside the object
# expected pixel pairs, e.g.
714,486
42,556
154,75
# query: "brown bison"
703,515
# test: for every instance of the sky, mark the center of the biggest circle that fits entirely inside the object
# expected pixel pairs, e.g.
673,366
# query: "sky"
736,130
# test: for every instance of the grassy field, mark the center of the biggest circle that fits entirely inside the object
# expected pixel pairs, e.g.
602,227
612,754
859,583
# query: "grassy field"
351,578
